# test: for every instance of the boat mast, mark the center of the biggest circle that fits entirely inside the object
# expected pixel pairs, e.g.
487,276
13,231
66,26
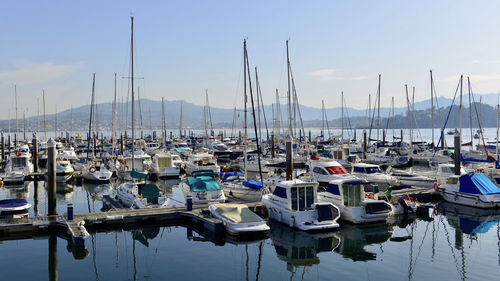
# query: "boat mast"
257,86
17,128
342,101
132,84
290,132
245,104
180,123
432,107
470,115
323,119
460,107
113,137
90,120
378,106
44,121
393,119
409,113
496,140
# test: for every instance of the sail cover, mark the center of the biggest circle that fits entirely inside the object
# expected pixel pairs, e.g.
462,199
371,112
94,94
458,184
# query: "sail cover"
477,184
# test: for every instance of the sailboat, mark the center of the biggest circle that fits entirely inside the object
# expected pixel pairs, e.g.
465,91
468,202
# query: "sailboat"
128,192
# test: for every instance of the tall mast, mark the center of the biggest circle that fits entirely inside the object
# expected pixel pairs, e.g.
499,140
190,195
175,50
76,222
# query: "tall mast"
113,137
432,107
460,107
55,126
409,113
71,121
257,86
342,101
90,119
378,106
393,118
245,103
496,140
17,128
323,119
180,123
44,121
290,132
132,85
470,114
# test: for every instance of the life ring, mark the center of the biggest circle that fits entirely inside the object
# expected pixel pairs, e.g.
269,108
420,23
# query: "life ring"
18,153
436,186
92,169
436,212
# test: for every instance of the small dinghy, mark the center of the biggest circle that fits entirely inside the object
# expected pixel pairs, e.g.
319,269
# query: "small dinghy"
14,207
239,219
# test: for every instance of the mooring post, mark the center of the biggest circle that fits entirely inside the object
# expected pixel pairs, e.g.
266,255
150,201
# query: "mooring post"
310,139
457,153
383,136
35,153
239,136
354,134
3,148
70,211
51,176
8,144
53,257
289,164
154,135
171,135
364,144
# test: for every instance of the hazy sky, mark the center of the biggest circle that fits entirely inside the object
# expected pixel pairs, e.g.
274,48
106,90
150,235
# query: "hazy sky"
183,47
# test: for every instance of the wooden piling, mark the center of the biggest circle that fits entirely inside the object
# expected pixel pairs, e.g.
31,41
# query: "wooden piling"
51,177
289,160
442,140
35,153
457,153
3,147
273,146
364,144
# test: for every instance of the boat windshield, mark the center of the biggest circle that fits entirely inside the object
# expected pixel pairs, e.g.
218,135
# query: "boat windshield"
352,194
372,170
302,197
336,170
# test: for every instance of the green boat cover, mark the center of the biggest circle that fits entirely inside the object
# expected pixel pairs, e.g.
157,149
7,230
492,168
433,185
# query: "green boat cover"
238,213
209,173
151,192
138,175
202,183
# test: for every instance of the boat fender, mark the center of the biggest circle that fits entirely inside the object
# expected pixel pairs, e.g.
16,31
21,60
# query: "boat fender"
92,169
436,212
436,186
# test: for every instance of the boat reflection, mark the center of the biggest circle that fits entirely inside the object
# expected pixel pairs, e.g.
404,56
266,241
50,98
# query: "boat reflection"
145,234
299,248
354,238
471,221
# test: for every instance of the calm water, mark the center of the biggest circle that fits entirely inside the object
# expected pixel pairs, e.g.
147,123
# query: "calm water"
458,243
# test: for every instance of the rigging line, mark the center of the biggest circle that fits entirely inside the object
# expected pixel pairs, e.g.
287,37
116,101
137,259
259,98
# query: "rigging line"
446,121
420,248
259,260
478,119
447,234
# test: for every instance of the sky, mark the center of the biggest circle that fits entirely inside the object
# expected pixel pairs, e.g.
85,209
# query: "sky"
183,48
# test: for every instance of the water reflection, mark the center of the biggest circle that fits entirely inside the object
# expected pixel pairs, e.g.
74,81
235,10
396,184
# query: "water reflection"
471,221
355,237
299,248
145,234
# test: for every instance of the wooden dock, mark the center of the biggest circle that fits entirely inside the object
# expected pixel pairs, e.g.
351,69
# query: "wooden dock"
79,228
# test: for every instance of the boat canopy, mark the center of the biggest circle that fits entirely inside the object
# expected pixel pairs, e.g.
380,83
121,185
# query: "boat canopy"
257,185
231,174
208,173
238,213
477,184
138,175
202,183
336,170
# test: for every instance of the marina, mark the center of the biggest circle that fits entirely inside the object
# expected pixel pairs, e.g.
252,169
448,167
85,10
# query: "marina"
199,160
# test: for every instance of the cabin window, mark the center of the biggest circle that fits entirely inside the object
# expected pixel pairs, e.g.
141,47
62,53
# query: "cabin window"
333,189
18,162
302,197
293,190
372,170
352,195
280,192
318,170
359,169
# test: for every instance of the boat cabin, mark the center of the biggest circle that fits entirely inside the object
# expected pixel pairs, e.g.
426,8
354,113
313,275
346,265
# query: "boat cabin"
363,168
299,195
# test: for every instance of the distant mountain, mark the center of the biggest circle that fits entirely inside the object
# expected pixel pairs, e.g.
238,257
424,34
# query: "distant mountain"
150,114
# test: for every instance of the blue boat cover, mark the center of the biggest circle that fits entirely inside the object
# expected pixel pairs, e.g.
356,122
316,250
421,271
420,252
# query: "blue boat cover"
470,226
477,184
202,183
231,174
257,185
13,203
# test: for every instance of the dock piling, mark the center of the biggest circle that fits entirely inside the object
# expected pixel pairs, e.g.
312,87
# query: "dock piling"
189,203
35,153
289,165
3,148
364,144
51,176
457,153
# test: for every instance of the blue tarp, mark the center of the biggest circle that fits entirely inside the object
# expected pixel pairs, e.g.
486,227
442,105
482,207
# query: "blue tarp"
477,184
470,226
257,185
13,203
231,174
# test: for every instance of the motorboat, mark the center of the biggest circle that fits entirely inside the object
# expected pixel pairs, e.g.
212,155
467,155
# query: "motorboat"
202,186
372,173
411,179
95,172
64,170
324,171
239,219
149,196
235,185
355,204
141,163
167,165
18,166
201,161
472,189
14,208
295,203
